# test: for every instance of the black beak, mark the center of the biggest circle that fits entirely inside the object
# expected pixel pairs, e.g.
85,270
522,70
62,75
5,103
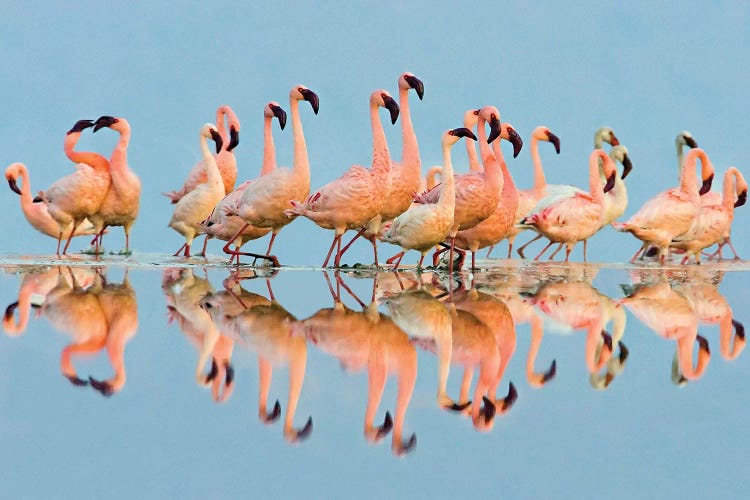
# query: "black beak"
104,121
494,129
312,98
610,182
739,329
234,138
554,140
416,84
741,199
217,139
14,186
392,106
706,187
37,199
80,126
627,166
461,132
690,141
280,114
613,141
516,140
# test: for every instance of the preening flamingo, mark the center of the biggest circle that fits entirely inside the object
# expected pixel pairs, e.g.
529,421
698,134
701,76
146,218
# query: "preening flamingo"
670,213
222,226
225,160
576,218
76,196
197,205
120,206
265,200
355,198
423,226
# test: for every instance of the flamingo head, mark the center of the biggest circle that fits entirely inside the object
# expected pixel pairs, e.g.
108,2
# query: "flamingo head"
408,81
450,137
685,138
12,173
508,133
302,93
545,134
605,134
620,153
707,175
491,115
383,99
209,131
470,118
80,126
273,109
610,172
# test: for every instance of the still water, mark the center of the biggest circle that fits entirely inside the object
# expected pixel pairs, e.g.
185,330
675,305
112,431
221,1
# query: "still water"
149,377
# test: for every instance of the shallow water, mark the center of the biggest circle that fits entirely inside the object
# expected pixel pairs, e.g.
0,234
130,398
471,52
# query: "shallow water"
633,419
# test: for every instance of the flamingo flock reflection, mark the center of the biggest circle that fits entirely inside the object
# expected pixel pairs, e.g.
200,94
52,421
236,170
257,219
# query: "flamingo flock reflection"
468,324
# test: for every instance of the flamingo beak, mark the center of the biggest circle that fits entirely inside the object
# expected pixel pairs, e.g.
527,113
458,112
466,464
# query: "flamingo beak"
392,106
312,98
741,199
280,114
494,129
516,140
217,139
80,126
416,84
610,182
463,132
690,141
550,374
11,309
613,141
104,121
234,138
14,186
554,140
739,329
706,187
627,166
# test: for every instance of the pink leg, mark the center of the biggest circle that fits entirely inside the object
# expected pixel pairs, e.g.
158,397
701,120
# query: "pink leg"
450,264
520,250
398,257
421,259
70,237
187,250
643,247
585,242
59,239
337,261
270,243
473,261
205,244
567,252
510,248
374,242
438,253
359,233
177,253
543,250
330,250
729,242
559,247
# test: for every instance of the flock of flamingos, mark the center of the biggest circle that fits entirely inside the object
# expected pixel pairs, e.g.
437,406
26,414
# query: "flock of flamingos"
390,201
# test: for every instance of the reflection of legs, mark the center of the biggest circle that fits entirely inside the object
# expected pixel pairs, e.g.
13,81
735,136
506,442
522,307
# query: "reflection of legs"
444,345
297,365
66,364
407,376
210,337
537,334
376,376
521,249
726,323
593,336
685,356
265,374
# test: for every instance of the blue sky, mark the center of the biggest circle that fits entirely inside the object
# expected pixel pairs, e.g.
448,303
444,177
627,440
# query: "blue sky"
649,72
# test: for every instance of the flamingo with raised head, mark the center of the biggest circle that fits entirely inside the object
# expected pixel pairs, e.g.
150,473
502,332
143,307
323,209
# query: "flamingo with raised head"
120,206
196,206
265,200
671,212
225,160
77,196
572,219
222,226
423,226
356,198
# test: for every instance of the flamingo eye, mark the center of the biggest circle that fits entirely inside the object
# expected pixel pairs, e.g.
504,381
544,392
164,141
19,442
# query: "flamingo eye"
476,112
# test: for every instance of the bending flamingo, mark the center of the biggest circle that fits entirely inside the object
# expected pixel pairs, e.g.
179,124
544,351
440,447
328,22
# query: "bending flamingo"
355,198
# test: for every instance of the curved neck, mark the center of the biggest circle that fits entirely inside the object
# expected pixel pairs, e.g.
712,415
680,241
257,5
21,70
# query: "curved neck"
221,126
509,187
269,151
300,162
491,167
212,171
687,176
381,158
471,152
678,145
596,189
540,182
410,152
94,160
119,158
447,197
729,195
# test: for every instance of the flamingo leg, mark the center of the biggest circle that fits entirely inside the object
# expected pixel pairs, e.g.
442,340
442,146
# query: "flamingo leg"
543,250
419,264
59,238
401,256
395,257
177,253
568,249
510,247
436,255
559,247
330,250
520,250
337,260
187,250
473,261
205,244
450,263
270,243
374,242
585,242
356,236
70,237
489,251
640,250
729,242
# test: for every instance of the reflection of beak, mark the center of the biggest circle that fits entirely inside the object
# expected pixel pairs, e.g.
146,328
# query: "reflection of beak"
14,186
299,436
402,449
392,106
610,182
494,130
280,115
627,166
706,187
273,416
234,138
217,139
550,374
312,98
741,199
10,310
105,388
384,429
416,84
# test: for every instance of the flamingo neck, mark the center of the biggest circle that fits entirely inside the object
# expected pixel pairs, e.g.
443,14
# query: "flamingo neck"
221,125
687,176
410,152
509,187
447,199
491,168
269,150
471,152
596,188
729,195
540,182
300,162
381,158
119,158
94,160
680,157
212,171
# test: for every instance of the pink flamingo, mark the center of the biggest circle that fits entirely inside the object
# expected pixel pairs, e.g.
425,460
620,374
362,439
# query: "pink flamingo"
405,176
477,193
197,205
77,196
120,206
36,213
225,160
423,226
223,226
713,222
670,213
572,219
355,198
264,202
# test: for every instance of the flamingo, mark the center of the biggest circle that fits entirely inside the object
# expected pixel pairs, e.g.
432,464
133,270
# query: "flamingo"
76,196
225,160
264,202
405,176
671,212
422,227
222,226
477,193
36,213
195,206
575,218
713,222
120,206
355,198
